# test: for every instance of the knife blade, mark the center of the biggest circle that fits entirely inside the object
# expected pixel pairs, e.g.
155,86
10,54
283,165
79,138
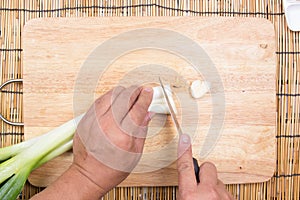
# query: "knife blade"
178,127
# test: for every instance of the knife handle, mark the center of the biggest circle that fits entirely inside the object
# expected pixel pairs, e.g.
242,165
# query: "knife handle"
196,169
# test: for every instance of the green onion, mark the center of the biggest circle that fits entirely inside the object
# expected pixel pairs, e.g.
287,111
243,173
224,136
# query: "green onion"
17,161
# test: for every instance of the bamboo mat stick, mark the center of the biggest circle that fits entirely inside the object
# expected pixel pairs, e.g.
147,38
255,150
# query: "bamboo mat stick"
297,154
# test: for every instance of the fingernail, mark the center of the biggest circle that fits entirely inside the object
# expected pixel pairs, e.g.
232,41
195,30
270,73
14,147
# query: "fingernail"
151,114
148,89
185,139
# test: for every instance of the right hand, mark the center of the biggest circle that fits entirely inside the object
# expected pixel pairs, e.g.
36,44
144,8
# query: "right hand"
209,188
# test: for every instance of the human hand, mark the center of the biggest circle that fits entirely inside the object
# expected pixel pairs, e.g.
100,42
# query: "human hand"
110,137
209,188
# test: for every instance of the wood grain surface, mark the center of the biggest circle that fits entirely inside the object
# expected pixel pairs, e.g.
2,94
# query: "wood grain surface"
69,62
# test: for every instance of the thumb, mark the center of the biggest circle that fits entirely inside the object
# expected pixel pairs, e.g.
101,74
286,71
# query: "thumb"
185,167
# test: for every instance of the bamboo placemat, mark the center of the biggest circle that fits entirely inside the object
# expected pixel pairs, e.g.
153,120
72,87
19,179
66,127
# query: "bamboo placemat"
285,183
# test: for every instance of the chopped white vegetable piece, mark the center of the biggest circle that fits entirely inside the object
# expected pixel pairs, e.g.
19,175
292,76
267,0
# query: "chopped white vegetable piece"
159,103
199,88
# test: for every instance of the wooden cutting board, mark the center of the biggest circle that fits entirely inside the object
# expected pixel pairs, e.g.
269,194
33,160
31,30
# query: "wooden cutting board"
68,63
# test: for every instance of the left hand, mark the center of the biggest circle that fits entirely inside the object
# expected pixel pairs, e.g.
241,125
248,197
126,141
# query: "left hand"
110,138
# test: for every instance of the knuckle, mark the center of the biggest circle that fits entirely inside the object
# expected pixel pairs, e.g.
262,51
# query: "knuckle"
184,166
130,147
106,120
104,128
135,87
140,110
116,91
125,142
185,194
214,193
99,100
119,87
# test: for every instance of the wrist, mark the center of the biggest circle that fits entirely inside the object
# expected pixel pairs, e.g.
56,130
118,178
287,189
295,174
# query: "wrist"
96,172
84,184
72,185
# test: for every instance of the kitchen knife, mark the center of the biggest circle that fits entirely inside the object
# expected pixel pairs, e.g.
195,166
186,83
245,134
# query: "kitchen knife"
178,127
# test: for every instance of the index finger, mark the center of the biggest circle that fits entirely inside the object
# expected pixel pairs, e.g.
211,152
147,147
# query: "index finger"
103,103
185,167
136,121
139,111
